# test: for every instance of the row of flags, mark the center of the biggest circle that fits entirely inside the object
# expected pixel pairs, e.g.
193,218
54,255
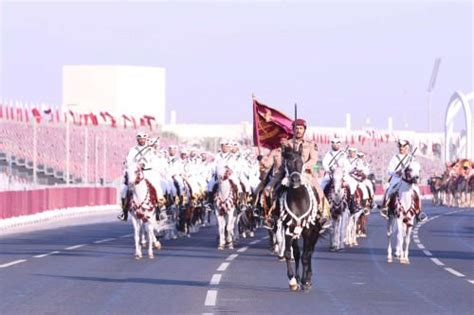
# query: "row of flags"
269,125
45,114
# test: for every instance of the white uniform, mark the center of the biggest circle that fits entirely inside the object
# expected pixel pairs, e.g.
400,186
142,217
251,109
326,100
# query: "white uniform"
136,154
221,160
174,174
360,166
394,166
332,160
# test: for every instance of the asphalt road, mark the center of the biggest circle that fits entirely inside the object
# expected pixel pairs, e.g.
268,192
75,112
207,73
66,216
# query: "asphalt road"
86,266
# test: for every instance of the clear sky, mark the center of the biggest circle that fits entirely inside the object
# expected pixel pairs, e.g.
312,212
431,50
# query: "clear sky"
366,58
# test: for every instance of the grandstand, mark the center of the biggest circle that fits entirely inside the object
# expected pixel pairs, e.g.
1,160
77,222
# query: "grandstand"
97,151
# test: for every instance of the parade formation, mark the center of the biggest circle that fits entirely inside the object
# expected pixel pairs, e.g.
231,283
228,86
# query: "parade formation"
173,190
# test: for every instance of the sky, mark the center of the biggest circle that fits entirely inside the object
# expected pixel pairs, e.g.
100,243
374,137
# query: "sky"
371,59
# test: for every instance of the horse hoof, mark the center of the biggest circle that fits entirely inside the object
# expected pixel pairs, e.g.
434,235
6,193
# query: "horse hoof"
307,286
151,256
252,234
138,257
157,245
389,260
243,235
220,247
231,246
333,249
281,258
294,288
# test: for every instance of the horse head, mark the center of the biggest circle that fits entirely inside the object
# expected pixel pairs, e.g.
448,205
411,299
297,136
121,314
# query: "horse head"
293,162
411,174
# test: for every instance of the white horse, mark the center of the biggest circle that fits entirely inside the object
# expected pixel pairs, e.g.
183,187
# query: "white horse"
402,213
146,197
225,202
337,198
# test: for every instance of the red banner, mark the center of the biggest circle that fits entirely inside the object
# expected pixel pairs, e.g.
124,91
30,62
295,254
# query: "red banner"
269,125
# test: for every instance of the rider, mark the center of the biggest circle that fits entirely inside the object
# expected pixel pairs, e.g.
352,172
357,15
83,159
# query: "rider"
309,159
397,165
333,159
137,152
175,173
364,167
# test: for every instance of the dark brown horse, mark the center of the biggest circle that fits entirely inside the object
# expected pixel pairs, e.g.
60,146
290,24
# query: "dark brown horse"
298,207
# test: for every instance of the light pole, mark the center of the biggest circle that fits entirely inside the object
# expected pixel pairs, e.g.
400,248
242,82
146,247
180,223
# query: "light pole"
68,143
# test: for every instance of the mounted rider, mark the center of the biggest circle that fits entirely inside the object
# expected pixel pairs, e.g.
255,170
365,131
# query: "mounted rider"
364,168
336,158
140,152
310,159
224,158
396,167
357,176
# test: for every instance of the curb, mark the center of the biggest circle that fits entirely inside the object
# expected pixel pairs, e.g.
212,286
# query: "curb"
49,215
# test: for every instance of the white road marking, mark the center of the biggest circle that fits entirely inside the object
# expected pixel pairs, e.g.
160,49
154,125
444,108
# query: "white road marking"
243,249
104,240
254,242
437,261
47,254
470,281
421,246
211,298
223,266
74,247
416,241
427,253
232,257
454,272
216,279
13,263
125,236
207,313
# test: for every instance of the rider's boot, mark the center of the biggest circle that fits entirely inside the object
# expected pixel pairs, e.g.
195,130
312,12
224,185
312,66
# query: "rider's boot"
124,215
421,216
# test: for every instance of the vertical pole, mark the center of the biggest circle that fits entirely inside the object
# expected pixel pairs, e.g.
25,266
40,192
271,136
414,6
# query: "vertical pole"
35,149
67,152
96,155
104,171
429,110
86,152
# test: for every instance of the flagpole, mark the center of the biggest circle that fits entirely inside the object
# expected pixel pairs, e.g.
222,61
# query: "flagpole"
259,150
294,127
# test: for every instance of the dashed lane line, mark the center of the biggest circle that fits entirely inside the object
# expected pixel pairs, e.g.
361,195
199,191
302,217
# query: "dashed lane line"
435,260
243,249
47,254
454,272
223,266
427,253
125,236
75,246
232,257
211,298
16,262
216,279
104,240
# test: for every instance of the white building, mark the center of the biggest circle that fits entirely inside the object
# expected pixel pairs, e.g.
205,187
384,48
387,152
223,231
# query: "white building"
128,90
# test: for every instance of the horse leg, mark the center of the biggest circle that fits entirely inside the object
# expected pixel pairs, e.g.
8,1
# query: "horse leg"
309,242
293,283
149,232
389,237
136,237
407,244
280,240
221,225
297,257
400,233
230,228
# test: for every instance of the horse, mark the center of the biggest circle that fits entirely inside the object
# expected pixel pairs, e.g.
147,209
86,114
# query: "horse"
337,195
225,203
146,196
403,208
299,217
436,186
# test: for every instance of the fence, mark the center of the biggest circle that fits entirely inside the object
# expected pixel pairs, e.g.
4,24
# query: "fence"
18,203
